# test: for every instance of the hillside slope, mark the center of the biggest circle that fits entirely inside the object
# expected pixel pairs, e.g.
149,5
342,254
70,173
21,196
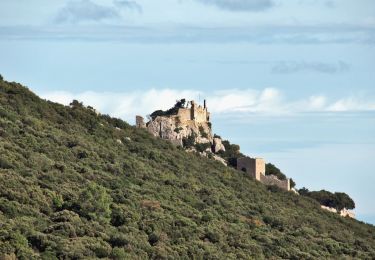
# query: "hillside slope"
74,184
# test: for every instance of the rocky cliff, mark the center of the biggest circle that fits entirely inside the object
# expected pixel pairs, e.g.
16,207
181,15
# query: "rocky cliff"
186,124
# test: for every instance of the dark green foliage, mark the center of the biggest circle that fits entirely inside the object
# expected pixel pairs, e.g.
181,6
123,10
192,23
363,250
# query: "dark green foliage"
232,152
273,170
1,78
202,132
94,203
292,183
172,111
4,164
337,200
68,190
178,129
201,147
189,141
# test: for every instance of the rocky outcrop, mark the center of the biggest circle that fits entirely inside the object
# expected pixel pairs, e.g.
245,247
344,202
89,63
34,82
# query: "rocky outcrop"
170,128
181,123
219,159
218,145
344,212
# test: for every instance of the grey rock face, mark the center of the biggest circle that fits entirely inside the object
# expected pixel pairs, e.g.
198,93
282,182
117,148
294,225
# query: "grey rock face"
218,145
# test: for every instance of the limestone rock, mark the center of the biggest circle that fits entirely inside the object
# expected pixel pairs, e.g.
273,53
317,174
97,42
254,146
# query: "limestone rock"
218,145
218,158
187,122
347,213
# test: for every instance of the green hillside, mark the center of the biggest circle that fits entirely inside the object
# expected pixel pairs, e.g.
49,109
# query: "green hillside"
74,184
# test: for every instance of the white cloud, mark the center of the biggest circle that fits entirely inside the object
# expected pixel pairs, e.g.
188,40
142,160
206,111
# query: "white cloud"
317,102
351,104
269,101
321,67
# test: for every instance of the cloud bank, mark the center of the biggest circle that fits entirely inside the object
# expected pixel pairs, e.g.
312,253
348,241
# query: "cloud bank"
240,5
271,34
84,10
236,102
78,11
286,67
132,5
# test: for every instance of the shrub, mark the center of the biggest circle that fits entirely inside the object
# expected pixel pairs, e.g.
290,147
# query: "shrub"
202,132
95,203
178,129
273,170
189,141
201,147
5,164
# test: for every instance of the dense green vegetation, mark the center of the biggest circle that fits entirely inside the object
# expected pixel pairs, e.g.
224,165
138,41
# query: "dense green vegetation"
337,200
70,189
172,111
231,153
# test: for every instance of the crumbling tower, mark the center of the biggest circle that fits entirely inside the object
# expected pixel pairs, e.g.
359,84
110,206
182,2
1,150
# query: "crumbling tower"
256,168
140,122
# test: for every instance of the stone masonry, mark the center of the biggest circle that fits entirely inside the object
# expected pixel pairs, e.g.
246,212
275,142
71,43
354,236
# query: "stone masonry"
192,119
140,122
256,168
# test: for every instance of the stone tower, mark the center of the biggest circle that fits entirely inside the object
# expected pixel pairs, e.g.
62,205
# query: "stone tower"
140,122
256,168
253,166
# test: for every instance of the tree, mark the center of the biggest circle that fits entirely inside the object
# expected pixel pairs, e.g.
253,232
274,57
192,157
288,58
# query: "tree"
189,141
273,170
337,200
1,78
180,103
343,201
95,203
75,103
292,183
303,191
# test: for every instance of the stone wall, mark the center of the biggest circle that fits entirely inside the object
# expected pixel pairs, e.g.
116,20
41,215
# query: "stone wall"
200,113
140,122
184,114
273,180
256,168
253,166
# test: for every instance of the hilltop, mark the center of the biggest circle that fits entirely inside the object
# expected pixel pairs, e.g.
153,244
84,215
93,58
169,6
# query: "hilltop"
76,184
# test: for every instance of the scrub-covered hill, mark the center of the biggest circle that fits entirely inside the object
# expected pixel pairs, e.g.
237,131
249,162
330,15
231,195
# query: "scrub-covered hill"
74,184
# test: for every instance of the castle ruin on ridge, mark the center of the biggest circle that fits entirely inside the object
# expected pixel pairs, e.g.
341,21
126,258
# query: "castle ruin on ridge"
189,120
256,168
185,120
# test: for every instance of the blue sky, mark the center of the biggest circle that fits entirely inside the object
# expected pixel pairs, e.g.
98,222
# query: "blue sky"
292,81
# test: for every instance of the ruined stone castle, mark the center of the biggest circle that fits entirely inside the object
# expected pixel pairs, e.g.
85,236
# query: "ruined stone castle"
188,120
191,120
256,168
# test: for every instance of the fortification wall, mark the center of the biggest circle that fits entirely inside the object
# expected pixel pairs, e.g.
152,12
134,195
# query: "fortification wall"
254,167
248,165
273,180
260,166
200,114
184,114
140,122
